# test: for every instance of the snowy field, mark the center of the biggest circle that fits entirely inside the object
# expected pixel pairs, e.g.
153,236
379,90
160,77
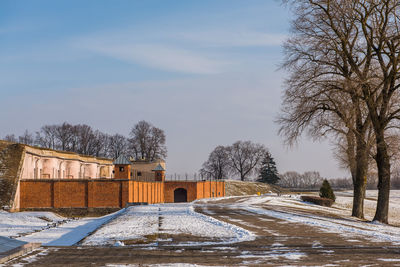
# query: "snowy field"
344,202
152,223
239,231
22,223
48,228
347,226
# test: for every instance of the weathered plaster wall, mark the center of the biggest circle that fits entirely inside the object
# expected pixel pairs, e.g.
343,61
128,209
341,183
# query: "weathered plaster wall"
48,164
147,167
11,158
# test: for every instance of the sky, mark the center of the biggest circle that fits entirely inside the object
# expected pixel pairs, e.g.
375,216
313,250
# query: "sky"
206,72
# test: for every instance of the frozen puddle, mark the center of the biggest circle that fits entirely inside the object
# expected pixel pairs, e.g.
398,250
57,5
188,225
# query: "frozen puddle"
155,224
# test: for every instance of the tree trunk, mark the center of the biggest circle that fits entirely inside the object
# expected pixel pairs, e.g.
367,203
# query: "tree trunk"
358,197
383,164
360,179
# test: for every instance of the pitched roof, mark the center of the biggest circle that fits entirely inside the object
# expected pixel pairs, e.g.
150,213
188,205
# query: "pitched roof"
121,160
159,168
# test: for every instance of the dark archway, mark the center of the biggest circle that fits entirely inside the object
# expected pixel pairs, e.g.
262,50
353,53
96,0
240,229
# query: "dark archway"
180,195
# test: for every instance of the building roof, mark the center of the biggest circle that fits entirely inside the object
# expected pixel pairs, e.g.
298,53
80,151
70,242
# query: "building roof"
159,168
121,160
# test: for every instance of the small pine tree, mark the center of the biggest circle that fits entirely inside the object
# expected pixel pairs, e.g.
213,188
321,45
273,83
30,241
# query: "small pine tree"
268,172
326,191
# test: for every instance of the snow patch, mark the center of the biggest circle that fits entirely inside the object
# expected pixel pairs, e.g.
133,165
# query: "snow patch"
70,232
140,222
17,224
388,260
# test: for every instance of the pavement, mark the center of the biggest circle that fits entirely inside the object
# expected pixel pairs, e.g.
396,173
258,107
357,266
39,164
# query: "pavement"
11,248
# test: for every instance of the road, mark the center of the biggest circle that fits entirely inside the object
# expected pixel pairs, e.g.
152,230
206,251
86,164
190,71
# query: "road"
277,242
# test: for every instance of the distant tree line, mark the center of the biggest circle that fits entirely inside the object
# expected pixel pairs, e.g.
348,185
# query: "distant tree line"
145,141
306,180
243,159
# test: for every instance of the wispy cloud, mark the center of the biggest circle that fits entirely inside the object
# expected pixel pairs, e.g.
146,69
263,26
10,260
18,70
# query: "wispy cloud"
240,38
203,51
162,57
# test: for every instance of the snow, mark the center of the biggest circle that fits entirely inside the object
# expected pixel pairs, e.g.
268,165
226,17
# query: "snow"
32,258
347,228
21,223
159,265
135,223
389,260
172,219
69,233
344,202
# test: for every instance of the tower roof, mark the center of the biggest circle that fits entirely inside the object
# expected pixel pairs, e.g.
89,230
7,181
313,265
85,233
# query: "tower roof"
159,168
121,160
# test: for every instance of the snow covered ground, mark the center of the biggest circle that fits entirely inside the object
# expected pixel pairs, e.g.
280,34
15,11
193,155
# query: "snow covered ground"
69,233
347,226
152,223
140,222
21,223
48,228
345,200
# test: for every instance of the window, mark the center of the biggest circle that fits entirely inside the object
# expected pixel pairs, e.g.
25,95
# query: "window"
139,174
121,169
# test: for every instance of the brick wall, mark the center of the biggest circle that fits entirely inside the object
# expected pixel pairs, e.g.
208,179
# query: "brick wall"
106,193
72,194
122,171
169,188
86,193
34,194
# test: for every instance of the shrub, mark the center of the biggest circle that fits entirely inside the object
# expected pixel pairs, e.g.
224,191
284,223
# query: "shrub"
326,202
326,191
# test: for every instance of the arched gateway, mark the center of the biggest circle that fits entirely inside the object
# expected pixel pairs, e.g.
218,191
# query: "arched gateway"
180,195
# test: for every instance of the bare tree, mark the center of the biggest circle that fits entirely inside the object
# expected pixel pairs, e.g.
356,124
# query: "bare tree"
307,180
218,164
64,134
10,138
26,138
46,137
85,135
357,42
290,179
117,145
98,144
244,157
147,142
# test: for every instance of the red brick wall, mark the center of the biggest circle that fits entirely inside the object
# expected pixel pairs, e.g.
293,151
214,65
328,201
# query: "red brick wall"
169,188
33,194
71,194
104,194
108,193
126,174
125,193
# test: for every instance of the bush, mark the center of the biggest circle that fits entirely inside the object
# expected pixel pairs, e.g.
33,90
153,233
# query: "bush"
326,202
326,191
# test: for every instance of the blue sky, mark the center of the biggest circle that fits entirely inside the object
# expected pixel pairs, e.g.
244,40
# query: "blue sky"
204,71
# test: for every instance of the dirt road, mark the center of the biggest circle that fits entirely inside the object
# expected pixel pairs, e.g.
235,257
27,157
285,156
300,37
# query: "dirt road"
278,242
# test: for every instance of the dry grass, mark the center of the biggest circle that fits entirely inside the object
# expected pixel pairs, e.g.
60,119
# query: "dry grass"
239,188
